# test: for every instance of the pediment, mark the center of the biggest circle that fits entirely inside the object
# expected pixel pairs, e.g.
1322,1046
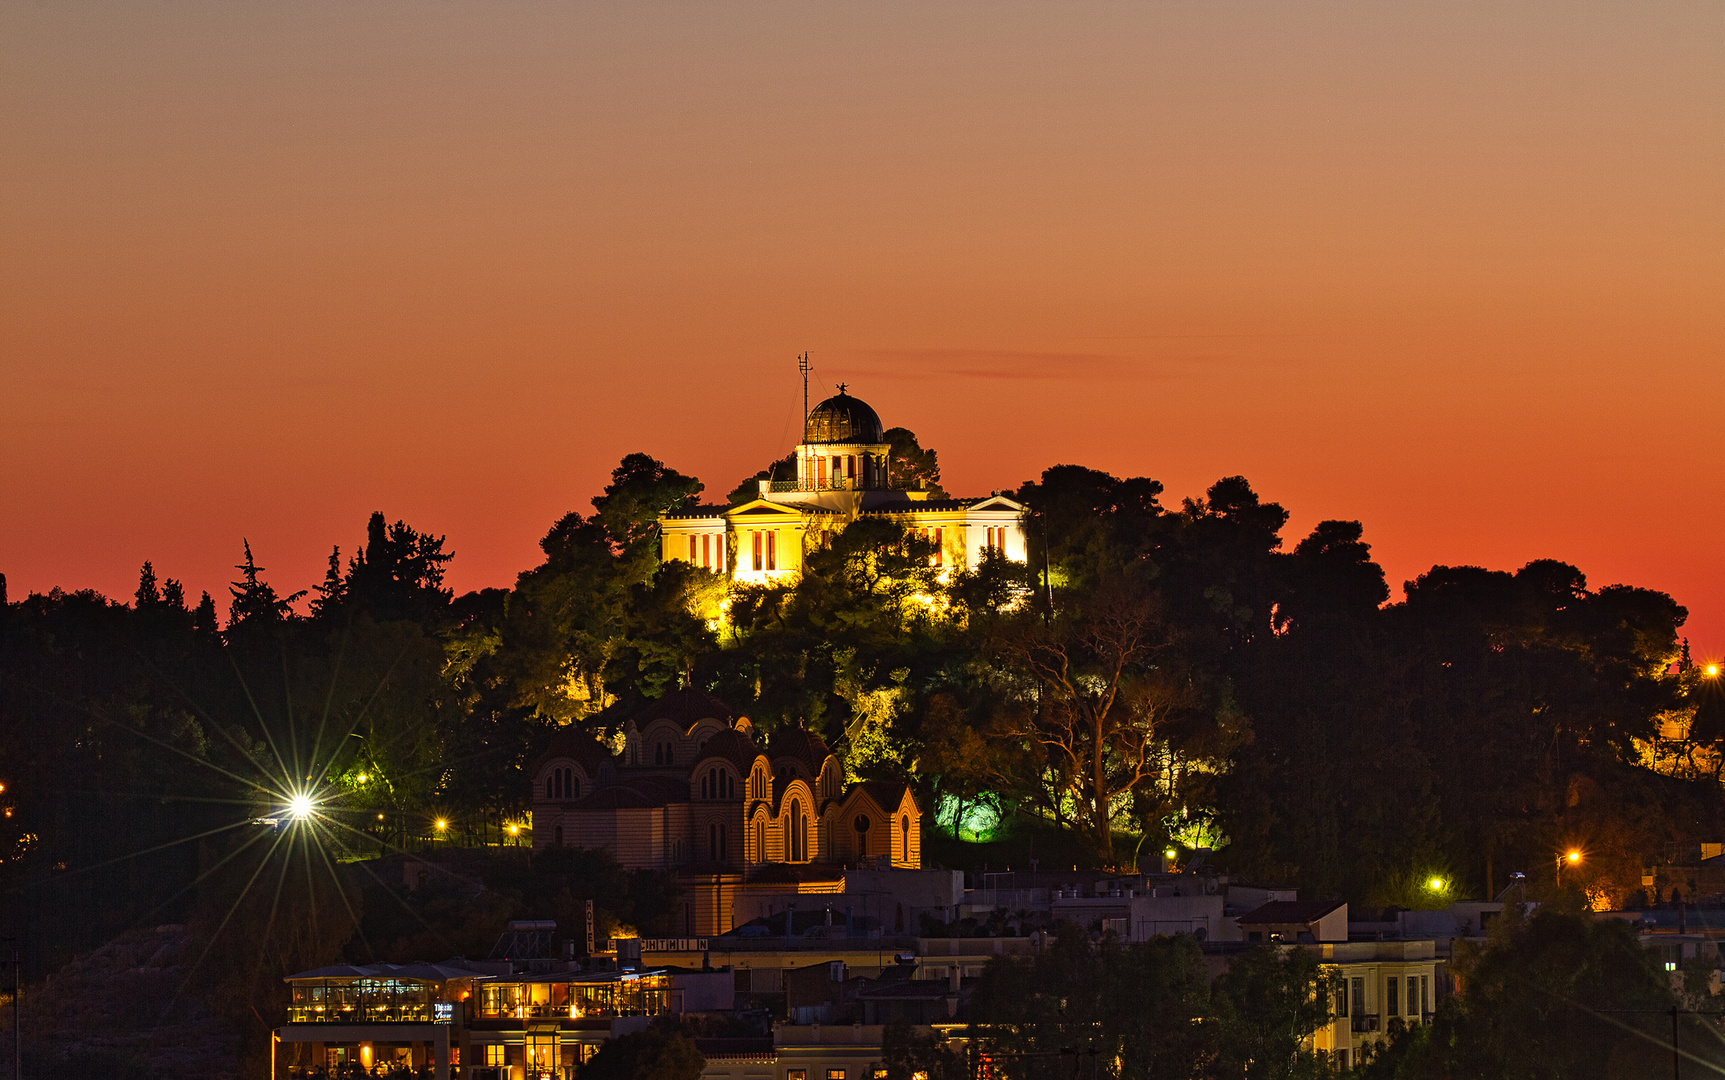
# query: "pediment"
761,508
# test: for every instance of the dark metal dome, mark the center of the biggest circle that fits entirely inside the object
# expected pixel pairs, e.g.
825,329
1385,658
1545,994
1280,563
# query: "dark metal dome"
842,419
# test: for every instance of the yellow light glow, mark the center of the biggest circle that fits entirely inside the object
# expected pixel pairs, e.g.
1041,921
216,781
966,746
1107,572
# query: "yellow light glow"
1712,669
380,817
1573,856
300,806
442,824
514,830
363,777
1170,853
1435,884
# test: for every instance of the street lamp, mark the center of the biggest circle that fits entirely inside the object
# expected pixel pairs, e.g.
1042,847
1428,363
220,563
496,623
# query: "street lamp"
1572,857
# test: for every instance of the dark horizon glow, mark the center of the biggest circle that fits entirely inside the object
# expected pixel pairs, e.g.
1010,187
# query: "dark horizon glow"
1452,270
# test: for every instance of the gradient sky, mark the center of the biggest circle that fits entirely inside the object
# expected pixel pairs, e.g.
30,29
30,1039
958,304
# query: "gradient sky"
1454,269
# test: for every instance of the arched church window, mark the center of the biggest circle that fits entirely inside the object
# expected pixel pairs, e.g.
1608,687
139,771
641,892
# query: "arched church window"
904,830
861,827
551,786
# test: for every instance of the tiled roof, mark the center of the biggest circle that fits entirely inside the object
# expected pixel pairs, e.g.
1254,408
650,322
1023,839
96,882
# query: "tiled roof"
733,746
799,744
637,793
578,743
887,794
683,708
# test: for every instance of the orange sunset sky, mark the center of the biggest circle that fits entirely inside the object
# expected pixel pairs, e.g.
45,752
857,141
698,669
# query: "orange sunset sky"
1454,269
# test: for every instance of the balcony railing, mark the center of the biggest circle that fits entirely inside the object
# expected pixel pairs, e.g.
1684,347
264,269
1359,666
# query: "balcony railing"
1365,1023
839,483
366,1013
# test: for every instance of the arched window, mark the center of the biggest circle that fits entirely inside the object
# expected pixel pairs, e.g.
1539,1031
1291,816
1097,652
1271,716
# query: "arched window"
861,827
551,786
704,787
573,785
760,841
904,830
794,833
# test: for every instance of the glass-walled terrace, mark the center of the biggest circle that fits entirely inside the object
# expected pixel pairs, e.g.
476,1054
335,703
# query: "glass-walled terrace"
356,1001
546,997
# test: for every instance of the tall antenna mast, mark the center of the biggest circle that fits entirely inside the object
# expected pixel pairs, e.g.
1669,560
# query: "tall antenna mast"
803,366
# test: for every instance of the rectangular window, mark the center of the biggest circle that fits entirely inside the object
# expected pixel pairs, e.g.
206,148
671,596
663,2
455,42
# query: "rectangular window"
838,469
1413,996
1342,1001
494,1055
706,551
835,1074
937,546
1425,995
1392,996
719,553
851,467
1341,1059
796,1074
773,550
821,470
758,563
691,551
1359,996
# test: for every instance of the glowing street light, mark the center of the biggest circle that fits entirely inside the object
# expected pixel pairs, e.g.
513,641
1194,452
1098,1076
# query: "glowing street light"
300,807
362,777
1435,884
442,824
1573,856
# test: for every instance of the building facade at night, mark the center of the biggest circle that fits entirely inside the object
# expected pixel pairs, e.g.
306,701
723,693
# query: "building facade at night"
843,474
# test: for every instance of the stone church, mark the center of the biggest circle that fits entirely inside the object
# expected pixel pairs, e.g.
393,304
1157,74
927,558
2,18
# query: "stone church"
696,792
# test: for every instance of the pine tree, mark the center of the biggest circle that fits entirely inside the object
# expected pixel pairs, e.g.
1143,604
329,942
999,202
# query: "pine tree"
147,596
254,598
173,595
333,591
204,618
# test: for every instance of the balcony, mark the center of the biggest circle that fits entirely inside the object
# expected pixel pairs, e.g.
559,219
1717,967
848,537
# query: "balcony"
841,483
368,1013
1365,1023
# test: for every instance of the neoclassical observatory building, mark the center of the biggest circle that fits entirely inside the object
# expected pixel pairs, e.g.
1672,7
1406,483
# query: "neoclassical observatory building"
843,474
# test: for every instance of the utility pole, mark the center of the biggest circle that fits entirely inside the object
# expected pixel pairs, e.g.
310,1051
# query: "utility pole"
17,1007
1676,1057
804,368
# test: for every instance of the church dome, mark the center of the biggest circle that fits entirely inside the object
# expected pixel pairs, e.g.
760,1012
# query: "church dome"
842,419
